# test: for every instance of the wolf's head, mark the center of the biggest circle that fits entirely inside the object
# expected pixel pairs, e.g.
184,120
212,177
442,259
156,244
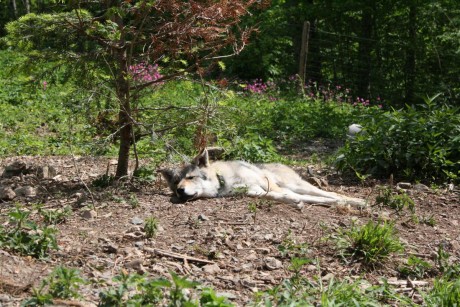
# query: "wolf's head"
193,180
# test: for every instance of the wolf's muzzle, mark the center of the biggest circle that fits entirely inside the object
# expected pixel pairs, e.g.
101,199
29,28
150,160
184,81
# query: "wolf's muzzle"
182,195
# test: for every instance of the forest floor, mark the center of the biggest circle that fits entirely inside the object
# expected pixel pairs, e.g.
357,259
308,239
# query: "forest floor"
224,243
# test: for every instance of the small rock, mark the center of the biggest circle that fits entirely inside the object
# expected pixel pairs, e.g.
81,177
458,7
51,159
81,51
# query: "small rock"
26,191
203,217
177,248
268,237
139,244
136,265
421,188
404,185
227,295
46,172
252,256
327,277
272,263
137,221
15,169
353,130
314,181
454,222
211,269
6,193
110,248
311,268
89,214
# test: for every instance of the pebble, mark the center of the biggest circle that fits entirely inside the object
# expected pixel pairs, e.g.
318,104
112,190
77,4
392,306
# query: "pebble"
7,193
211,269
203,217
272,263
89,214
137,221
26,191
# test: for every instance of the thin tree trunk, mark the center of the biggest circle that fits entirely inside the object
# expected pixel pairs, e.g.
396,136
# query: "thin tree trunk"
365,50
27,5
15,8
410,56
126,126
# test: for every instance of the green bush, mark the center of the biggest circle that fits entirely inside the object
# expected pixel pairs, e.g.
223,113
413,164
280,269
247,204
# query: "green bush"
371,244
25,236
415,143
445,293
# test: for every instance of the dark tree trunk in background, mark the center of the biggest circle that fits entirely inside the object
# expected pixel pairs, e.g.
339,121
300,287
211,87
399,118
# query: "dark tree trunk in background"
15,9
365,51
314,59
410,54
126,125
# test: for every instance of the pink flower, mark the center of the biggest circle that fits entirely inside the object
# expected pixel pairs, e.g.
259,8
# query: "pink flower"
45,84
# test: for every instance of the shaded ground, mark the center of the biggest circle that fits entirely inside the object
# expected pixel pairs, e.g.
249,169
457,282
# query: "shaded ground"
242,243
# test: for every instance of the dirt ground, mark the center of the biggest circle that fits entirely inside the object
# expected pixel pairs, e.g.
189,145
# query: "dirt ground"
218,242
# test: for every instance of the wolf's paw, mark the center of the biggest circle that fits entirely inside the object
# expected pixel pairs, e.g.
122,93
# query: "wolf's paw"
298,205
355,202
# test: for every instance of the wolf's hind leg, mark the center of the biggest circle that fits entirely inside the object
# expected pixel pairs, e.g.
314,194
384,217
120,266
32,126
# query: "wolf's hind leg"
288,197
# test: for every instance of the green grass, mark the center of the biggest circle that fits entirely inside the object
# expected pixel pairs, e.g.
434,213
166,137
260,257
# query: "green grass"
27,237
372,244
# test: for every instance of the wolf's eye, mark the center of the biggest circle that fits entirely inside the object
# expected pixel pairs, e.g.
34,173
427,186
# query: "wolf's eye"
190,177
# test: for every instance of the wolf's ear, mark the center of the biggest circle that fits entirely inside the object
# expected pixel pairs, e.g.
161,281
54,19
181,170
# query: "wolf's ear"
202,159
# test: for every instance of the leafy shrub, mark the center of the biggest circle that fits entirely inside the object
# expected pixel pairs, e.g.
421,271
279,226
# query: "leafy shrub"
253,148
397,202
415,143
445,292
53,217
371,244
151,227
137,290
61,283
298,290
415,268
26,236
64,283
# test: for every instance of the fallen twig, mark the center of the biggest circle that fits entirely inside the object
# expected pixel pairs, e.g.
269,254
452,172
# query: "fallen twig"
177,256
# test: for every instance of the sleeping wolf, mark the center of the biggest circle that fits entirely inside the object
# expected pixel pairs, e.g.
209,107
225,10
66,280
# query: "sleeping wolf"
202,179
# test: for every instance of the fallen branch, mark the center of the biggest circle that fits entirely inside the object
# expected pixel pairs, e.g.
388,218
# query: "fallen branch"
183,257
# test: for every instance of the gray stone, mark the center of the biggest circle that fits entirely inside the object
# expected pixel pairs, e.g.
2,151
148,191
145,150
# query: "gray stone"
421,187
404,185
211,269
26,191
137,265
6,193
15,169
89,214
46,172
203,217
137,221
353,130
272,263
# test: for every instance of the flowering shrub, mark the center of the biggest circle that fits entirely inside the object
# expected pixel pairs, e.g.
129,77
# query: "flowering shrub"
143,72
257,86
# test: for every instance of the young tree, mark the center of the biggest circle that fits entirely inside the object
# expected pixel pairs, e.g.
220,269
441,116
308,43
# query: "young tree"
187,35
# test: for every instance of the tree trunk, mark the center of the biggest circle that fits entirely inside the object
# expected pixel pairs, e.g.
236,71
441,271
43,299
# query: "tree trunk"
126,126
410,55
27,3
15,8
364,51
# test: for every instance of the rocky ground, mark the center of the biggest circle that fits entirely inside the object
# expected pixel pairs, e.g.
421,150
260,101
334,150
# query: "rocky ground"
225,243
